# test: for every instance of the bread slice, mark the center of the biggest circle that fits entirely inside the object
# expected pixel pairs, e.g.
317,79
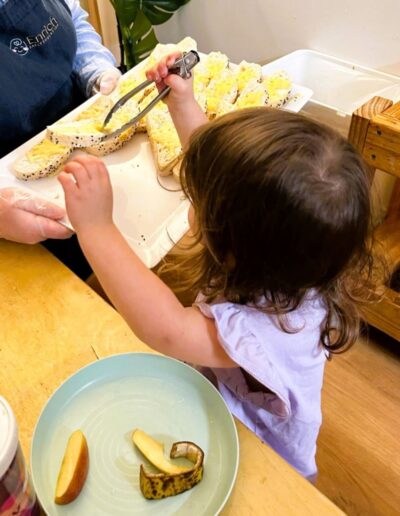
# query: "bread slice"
97,110
89,133
254,94
221,89
151,95
129,82
42,160
214,64
81,133
224,108
112,145
247,73
187,44
164,140
278,86
121,117
161,50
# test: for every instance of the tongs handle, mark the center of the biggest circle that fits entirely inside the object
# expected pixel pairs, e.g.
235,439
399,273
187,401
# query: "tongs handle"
182,67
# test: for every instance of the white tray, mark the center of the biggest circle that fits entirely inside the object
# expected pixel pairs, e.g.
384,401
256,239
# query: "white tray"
339,85
151,218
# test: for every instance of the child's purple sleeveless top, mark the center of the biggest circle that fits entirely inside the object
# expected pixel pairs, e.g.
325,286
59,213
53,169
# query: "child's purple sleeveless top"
291,365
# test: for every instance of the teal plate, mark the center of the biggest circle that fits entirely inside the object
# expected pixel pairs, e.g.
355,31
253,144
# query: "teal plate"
107,400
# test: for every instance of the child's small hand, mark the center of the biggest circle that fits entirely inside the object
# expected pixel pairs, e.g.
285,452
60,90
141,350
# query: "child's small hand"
88,193
181,89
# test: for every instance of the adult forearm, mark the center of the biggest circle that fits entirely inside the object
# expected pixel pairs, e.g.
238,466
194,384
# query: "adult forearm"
92,57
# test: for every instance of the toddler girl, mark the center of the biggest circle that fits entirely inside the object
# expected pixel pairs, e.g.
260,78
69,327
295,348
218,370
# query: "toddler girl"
281,206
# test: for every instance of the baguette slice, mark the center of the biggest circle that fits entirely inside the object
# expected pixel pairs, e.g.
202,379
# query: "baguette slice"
97,110
213,65
221,89
161,50
225,107
253,95
152,94
112,145
247,73
164,140
130,82
43,160
278,86
78,133
187,44
89,133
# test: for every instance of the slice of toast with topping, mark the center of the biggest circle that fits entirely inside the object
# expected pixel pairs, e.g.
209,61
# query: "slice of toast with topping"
42,160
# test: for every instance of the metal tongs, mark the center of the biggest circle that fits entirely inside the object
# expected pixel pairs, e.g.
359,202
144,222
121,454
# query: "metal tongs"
182,67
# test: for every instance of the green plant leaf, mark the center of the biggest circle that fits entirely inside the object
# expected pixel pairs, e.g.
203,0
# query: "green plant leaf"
159,11
143,36
138,39
125,10
136,19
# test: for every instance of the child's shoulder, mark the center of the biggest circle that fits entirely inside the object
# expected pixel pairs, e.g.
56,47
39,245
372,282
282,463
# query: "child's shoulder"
233,318
246,332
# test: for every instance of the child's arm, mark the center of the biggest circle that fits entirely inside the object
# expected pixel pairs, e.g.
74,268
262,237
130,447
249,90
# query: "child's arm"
186,114
147,304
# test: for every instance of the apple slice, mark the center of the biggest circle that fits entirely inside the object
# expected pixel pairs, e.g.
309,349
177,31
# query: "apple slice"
74,469
154,453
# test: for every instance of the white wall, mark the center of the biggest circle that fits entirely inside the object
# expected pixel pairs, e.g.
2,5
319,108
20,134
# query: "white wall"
366,32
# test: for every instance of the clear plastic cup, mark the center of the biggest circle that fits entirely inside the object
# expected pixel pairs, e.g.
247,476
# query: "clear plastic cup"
17,497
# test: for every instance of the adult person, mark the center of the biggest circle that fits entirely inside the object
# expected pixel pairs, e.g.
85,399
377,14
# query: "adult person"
51,60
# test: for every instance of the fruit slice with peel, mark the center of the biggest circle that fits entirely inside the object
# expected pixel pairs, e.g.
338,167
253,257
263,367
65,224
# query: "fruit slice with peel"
73,470
160,485
154,452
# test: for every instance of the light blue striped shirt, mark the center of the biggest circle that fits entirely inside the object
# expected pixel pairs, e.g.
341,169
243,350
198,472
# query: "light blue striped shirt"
92,58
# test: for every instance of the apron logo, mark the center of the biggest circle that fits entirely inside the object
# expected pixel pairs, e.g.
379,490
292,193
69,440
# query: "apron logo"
22,47
18,46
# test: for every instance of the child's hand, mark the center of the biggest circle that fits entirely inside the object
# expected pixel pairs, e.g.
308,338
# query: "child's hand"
181,89
186,113
88,199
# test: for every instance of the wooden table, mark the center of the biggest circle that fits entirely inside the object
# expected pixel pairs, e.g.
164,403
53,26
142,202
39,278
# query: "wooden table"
52,324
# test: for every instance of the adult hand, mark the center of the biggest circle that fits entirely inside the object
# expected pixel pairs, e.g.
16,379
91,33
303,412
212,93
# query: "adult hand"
27,219
107,81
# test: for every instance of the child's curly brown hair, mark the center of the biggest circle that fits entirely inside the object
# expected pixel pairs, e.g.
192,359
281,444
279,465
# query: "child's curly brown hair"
282,207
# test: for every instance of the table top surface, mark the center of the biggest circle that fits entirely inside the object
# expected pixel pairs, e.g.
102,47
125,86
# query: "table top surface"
52,324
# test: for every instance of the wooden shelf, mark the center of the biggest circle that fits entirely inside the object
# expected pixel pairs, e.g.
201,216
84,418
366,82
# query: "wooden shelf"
375,132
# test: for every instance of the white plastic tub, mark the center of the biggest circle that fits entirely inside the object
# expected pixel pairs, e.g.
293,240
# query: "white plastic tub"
339,86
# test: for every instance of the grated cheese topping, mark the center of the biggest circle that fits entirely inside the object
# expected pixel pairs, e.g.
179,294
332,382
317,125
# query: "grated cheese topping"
44,151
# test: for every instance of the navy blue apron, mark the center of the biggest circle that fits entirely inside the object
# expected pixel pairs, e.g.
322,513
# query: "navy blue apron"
37,86
37,49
